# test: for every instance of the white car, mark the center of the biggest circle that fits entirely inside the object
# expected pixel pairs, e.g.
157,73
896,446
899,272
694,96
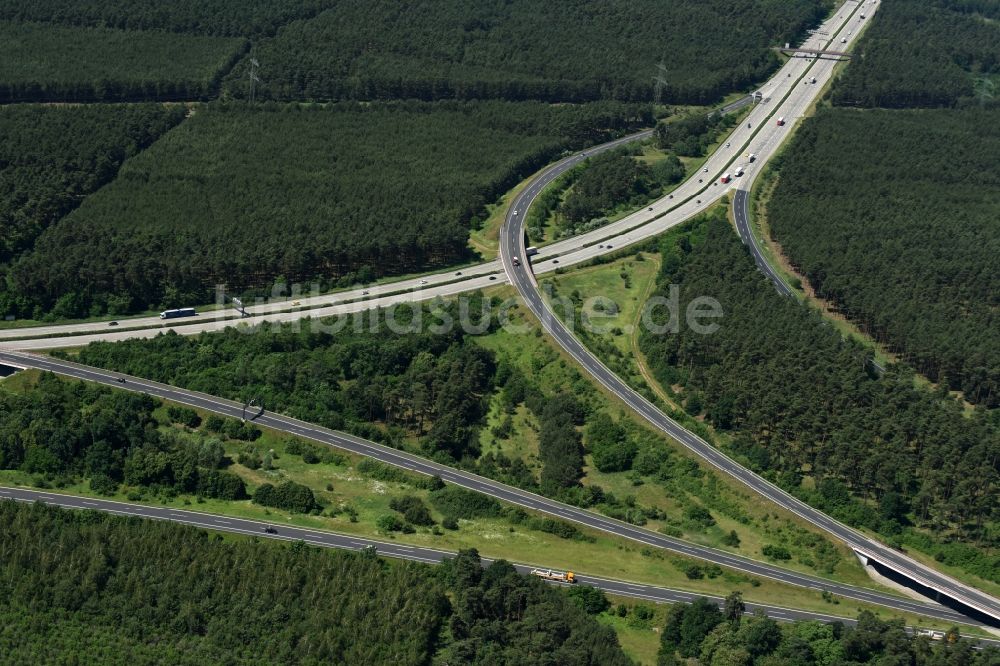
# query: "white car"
705,169
423,282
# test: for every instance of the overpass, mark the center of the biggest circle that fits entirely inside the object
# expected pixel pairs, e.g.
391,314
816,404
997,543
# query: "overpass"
792,51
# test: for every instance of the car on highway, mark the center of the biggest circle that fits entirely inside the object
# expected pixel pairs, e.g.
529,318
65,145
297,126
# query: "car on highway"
270,530
515,211
555,261
458,272
112,323
600,247
650,208
608,246
705,169
423,282
493,277
364,292
728,144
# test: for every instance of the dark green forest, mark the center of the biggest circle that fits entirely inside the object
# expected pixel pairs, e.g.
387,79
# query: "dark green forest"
52,63
102,589
71,430
725,637
228,18
609,183
243,197
378,383
576,51
798,400
52,157
924,276
922,53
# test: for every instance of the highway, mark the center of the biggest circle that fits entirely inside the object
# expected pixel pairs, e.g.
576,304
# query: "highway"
480,484
791,94
325,539
787,94
522,277
741,213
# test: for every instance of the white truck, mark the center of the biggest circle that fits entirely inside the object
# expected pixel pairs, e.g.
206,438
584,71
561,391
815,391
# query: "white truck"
558,576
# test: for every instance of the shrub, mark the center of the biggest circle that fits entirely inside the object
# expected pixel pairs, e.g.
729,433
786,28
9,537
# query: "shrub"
289,495
413,509
776,552
461,503
184,415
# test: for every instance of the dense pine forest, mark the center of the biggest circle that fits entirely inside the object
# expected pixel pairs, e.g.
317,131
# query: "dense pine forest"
947,48
51,63
803,406
924,276
52,157
228,18
241,197
577,51
722,637
126,591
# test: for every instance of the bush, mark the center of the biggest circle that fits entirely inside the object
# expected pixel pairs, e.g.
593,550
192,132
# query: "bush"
184,415
732,539
699,515
289,495
776,552
449,523
590,599
694,572
461,503
389,523
102,484
413,509
221,485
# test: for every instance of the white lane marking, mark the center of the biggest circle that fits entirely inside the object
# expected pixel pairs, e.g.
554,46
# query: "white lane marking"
91,503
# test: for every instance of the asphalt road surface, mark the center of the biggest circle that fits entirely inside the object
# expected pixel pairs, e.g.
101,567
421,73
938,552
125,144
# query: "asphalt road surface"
521,276
741,211
787,94
324,539
486,486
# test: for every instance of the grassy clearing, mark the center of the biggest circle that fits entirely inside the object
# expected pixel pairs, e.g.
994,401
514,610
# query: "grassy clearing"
344,491
756,522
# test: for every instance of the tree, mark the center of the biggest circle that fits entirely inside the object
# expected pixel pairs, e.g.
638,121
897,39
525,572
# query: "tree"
733,608
590,599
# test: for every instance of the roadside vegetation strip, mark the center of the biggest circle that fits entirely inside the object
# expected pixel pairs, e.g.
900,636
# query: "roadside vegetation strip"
318,466
525,498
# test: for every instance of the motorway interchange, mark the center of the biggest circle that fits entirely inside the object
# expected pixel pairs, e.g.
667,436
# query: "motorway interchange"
789,94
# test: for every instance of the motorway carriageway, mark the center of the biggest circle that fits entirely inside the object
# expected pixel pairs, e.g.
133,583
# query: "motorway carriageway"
512,245
480,484
799,102
326,539
787,95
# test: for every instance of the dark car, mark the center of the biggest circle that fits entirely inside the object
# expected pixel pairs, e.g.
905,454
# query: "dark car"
270,530
493,277
112,323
